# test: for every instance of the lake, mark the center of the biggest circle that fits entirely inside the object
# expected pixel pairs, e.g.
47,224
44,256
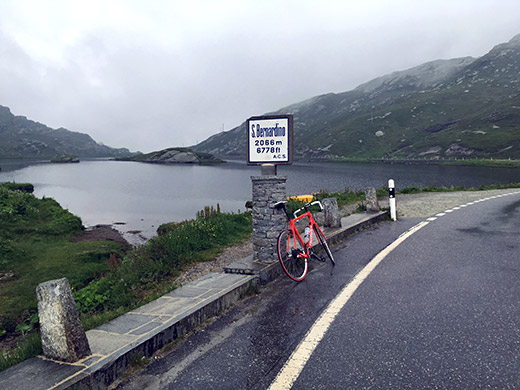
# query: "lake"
139,197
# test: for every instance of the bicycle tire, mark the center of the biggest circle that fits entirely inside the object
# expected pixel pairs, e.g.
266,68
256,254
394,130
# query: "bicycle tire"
291,253
324,245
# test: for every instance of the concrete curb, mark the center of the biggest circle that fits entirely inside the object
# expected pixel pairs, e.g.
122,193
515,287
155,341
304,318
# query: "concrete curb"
148,328
138,333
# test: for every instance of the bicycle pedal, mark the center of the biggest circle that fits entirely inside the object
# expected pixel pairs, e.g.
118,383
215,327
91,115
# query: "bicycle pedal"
319,258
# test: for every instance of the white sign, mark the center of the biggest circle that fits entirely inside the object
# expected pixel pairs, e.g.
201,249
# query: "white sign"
269,140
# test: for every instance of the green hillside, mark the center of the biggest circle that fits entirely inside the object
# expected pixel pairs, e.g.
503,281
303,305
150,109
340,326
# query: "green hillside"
23,138
463,107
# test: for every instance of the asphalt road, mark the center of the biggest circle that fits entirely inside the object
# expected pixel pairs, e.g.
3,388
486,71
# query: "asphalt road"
441,310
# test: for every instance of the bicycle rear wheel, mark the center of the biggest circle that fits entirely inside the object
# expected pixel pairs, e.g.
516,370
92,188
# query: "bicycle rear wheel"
324,245
291,254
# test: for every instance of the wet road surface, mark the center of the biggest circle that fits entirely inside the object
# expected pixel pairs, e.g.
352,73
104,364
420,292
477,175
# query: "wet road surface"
441,310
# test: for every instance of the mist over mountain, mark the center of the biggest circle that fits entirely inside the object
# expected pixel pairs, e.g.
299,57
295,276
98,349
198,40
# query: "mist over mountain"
23,138
462,107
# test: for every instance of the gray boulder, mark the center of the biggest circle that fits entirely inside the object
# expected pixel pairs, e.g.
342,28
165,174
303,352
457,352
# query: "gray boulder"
63,337
371,203
331,213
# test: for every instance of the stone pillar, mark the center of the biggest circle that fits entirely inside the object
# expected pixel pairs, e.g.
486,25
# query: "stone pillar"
331,213
267,221
371,202
63,337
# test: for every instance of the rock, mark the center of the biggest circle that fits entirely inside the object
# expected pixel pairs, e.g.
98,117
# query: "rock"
331,211
371,201
174,156
63,337
65,160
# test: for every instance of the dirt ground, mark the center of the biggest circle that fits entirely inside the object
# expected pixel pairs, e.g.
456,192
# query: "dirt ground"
101,233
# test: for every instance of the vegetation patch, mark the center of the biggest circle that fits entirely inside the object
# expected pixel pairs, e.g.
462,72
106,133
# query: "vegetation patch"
36,246
38,242
145,273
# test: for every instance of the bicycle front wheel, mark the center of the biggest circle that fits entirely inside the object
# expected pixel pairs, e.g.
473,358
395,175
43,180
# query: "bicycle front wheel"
324,245
291,254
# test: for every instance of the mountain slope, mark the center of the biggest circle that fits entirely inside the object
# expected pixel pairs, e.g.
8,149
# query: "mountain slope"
445,108
24,138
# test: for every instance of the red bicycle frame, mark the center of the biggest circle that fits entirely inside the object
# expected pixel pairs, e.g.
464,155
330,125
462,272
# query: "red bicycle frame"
312,225
294,252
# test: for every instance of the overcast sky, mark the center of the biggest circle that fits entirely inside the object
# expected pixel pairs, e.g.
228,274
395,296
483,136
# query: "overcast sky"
153,74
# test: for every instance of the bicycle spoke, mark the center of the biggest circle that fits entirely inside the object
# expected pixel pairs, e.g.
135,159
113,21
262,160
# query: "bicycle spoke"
325,246
292,255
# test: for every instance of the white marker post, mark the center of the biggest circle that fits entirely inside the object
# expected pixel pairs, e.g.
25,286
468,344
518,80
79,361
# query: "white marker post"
391,191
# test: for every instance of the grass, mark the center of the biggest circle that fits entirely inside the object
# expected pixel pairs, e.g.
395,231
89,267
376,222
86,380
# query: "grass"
36,246
28,347
107,281
146,272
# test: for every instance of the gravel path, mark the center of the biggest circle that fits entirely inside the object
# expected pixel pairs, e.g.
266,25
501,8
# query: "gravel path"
427,204
228,256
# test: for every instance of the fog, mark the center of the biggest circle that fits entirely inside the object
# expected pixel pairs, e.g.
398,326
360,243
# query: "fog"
150,75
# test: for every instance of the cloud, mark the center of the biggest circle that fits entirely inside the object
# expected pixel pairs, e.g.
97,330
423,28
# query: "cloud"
149,75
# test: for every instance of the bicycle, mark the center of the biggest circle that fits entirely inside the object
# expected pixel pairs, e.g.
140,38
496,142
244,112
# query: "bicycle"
294,252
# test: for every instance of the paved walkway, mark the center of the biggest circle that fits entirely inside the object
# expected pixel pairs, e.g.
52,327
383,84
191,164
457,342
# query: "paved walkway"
143,331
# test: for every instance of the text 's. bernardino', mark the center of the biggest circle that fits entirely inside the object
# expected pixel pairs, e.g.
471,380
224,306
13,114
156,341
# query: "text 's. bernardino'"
270,140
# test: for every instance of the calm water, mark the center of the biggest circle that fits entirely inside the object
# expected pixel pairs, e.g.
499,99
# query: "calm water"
137,196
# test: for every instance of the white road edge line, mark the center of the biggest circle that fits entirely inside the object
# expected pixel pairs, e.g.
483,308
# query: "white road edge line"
296,362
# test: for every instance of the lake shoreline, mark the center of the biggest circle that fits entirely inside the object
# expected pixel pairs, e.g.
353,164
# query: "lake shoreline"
144,196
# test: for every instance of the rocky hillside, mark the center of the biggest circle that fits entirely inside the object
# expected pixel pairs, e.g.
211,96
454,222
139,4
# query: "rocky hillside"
24,138
174,156
462,107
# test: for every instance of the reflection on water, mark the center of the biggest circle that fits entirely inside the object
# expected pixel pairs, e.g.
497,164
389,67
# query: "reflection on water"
142,196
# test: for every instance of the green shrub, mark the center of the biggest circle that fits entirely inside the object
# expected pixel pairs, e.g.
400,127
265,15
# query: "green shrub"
93,297
343,198
162,257
209,230
292,205
410,190
22,187
382,192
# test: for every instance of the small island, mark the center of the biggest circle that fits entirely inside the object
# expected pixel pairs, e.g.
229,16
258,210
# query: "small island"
174,156
65,159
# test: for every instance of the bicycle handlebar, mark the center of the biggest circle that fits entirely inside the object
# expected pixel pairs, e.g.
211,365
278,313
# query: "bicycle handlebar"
307,206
